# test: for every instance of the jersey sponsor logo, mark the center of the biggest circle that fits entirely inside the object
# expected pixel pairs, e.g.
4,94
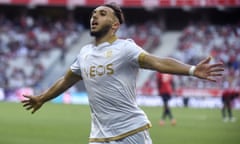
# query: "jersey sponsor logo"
99,70
108,54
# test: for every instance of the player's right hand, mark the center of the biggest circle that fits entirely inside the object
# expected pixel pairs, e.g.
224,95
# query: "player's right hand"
32,103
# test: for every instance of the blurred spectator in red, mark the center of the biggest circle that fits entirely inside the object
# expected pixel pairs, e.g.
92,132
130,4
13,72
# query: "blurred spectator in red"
165,89
228,96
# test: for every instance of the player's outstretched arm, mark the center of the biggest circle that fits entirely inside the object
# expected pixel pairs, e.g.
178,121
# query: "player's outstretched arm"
35,102
203,70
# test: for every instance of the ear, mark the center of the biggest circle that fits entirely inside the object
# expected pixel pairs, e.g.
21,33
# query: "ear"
115,25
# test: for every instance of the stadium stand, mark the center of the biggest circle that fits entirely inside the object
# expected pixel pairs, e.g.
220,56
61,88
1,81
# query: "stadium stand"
30,46
59,68
196,41
222,42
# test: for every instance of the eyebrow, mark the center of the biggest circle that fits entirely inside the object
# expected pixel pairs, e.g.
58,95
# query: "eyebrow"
99,10
102,10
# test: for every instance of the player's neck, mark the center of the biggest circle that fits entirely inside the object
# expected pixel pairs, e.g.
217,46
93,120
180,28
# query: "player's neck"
107,38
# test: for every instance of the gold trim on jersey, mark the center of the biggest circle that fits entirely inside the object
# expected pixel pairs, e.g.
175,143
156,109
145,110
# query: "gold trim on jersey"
147,126
112,39
140,59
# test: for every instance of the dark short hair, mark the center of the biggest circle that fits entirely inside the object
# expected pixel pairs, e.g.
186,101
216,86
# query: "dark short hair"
117,11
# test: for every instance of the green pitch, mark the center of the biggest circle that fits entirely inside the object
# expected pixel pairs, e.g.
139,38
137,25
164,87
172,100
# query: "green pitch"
70,124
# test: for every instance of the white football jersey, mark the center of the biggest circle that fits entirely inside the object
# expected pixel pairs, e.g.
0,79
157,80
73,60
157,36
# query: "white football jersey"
109,73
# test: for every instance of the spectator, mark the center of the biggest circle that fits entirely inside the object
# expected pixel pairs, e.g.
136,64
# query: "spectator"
165,89
228,95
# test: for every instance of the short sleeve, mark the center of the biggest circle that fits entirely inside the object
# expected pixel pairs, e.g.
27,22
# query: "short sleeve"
134,52
75,67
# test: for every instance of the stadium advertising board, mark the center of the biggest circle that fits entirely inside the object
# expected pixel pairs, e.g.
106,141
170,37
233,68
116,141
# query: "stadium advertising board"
127,3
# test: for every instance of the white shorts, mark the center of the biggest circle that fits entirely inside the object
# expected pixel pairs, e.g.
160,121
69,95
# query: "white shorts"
142,137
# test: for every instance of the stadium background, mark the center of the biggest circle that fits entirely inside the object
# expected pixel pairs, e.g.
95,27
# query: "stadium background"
40,39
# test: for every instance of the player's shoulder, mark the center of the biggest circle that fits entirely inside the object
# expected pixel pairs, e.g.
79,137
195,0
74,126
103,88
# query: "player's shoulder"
86,47
127,43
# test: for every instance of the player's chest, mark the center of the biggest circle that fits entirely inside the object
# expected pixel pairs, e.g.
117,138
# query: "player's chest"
96,57
99,63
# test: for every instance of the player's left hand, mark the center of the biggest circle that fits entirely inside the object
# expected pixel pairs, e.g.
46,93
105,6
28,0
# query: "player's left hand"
32,103
207,71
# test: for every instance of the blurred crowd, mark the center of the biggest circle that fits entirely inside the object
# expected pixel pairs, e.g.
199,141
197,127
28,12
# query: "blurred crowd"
196,42
27,39
147,35
222,42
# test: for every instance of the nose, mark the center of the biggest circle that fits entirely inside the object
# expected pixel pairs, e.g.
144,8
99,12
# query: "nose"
94,15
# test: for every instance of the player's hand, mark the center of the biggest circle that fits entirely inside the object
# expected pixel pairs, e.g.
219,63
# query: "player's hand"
32,103
207,71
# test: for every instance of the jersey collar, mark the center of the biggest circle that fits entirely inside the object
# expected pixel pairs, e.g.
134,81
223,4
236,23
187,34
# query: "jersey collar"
109,42
112,39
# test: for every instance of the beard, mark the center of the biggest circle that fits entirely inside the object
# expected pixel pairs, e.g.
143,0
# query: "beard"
101,32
